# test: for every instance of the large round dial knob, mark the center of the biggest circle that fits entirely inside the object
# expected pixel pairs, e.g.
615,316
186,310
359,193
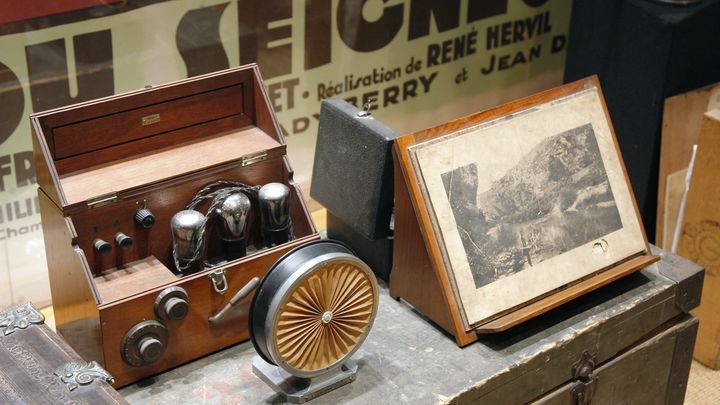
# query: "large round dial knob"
144,343
144,217
172,304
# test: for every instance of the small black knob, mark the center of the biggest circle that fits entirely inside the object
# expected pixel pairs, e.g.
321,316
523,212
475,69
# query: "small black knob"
150,349
123,240
102,247
176,308
144,217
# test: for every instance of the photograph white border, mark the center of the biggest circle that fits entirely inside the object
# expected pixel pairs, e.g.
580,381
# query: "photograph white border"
483,144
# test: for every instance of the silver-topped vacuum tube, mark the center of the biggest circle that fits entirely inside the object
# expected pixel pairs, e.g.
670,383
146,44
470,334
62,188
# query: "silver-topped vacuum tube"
187,228
274,200
233,213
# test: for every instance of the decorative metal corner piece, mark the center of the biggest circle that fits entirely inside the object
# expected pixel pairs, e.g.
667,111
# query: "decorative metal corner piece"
19,317
77,374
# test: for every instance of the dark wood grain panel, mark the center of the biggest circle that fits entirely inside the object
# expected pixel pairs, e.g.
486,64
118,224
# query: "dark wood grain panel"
178,160
152,120
199,132
143,97
74,300
413,277
194,336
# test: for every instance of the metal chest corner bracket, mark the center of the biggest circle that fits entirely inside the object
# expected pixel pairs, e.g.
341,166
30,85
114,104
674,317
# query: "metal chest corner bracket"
582,371
19,317
77,374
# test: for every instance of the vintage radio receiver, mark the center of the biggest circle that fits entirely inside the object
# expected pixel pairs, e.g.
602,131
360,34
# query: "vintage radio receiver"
161,209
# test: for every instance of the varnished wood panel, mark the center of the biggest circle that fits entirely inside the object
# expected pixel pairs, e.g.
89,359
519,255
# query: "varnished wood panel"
405,274
152,120
194,336
164,164
143,97
412,277
264,116
134,278
154,143
74,301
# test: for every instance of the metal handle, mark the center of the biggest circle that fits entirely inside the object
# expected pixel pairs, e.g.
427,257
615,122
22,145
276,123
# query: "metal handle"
219,281
244,292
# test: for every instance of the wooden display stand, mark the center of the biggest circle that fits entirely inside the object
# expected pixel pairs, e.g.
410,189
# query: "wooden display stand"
419,274
100,162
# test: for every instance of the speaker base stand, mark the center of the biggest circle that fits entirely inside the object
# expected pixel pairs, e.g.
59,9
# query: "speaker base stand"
297,390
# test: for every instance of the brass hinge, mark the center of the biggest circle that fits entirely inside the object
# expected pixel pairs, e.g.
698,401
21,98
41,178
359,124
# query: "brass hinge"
247,160
102,200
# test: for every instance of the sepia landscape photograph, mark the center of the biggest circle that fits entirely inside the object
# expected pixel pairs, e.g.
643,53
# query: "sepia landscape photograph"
555,198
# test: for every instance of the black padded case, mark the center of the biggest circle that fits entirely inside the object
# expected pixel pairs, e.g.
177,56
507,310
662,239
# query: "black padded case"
353,178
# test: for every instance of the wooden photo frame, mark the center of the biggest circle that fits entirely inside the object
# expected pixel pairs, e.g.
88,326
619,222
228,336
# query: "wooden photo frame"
520,205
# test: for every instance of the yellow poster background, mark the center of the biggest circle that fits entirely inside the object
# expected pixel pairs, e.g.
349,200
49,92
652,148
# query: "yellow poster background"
415,83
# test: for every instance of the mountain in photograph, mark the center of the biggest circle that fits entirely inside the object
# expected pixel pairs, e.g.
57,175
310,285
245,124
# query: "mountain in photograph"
556,198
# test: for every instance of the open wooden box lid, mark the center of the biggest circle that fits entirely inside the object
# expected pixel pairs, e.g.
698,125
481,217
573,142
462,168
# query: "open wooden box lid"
99,150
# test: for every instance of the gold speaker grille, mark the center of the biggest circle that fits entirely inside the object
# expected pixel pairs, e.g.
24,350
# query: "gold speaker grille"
325,316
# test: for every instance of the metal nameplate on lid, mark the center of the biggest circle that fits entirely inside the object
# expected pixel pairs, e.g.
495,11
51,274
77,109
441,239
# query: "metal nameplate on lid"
254,158
19,317
151,119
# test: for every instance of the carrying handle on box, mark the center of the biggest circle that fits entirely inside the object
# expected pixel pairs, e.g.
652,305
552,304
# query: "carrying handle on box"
219,281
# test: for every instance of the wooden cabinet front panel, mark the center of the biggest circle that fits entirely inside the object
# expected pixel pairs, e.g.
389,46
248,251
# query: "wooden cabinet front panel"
193,336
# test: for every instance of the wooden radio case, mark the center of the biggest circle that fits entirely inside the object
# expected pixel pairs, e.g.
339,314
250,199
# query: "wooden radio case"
104,165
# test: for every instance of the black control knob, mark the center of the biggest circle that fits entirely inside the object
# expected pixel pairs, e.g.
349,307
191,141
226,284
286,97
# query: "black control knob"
123,240
102,247
144,343
150,349
144,217
172,304
176,308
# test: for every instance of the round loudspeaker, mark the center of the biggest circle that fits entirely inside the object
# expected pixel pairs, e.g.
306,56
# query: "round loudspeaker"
313,309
